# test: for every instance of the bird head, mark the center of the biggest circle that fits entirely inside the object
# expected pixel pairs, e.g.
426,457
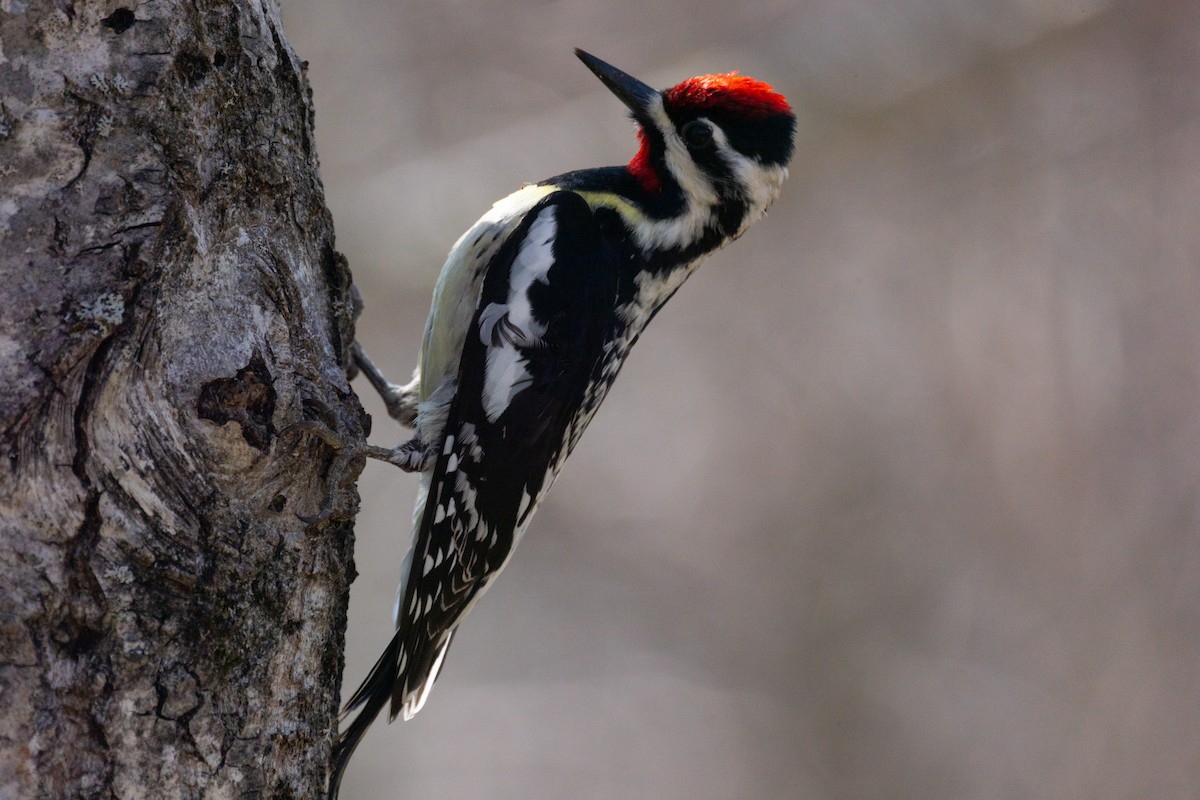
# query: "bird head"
720,142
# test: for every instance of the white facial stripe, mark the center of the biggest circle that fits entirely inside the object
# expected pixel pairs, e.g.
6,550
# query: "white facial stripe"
759,184
697,188
699,196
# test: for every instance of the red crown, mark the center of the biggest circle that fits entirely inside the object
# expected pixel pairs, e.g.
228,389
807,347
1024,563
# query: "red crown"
730,92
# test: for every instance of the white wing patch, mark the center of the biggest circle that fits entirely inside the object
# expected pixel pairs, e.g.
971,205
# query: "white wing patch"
505,327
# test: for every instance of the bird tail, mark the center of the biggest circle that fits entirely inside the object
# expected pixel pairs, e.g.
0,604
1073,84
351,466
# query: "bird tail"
372,696
390,680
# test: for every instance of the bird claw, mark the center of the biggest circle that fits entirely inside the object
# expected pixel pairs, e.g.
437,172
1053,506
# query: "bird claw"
412,456
344,456
401,402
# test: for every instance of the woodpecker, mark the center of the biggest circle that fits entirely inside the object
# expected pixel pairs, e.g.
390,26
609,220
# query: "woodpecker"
536,308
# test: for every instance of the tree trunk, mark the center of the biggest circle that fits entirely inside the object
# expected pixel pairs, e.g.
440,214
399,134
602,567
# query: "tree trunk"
171,302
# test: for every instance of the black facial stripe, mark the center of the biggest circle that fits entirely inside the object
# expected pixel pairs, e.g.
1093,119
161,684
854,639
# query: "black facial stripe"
768,139
730,216
712,162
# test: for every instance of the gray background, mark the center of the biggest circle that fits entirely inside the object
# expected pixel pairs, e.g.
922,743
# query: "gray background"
898,498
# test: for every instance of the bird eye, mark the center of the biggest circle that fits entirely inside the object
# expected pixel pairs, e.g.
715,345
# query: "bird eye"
698,135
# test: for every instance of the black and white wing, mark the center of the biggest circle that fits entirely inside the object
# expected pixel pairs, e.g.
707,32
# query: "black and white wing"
536,342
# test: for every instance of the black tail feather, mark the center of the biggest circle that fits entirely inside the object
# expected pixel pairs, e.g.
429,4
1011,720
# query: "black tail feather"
372,696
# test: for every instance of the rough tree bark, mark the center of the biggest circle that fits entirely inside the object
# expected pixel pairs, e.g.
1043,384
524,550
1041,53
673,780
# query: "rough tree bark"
170,301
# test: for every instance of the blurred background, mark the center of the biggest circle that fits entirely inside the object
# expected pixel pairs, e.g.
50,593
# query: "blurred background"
900,496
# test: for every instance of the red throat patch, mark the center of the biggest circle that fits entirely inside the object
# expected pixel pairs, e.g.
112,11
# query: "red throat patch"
729,92
641,168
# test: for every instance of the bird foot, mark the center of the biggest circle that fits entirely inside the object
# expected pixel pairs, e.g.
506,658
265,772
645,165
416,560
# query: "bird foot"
412,456
343,456
400,401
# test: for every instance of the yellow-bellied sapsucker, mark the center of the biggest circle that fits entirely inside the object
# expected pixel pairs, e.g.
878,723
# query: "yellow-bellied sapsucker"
535,310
